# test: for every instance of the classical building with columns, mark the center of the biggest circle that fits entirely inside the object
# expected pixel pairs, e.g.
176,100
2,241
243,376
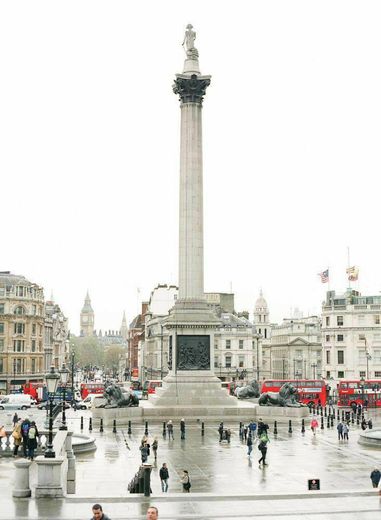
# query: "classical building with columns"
351,336
263,326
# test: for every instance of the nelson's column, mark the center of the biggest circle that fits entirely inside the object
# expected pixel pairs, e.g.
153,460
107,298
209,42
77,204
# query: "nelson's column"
191,381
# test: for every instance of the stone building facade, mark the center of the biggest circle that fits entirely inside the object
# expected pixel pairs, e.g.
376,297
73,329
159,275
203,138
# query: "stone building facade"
296,349
263,326
351,336
32,335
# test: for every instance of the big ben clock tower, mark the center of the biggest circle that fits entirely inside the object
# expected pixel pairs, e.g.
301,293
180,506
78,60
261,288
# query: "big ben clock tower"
87,318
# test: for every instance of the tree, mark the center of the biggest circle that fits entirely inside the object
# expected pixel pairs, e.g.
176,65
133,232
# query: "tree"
88,351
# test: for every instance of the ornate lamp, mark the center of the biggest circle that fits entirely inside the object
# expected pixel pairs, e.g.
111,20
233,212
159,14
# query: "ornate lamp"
52,379
64,373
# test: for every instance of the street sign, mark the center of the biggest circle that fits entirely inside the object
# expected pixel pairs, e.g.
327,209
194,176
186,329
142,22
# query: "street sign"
314,484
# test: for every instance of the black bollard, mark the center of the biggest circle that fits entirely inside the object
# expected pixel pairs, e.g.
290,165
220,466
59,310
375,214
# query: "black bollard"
310,408
358,420
81,422
332,417
275,428
114,426
147,480
202,429
164,430
353,418
322,424
342,415
313,410
303,428
90,425
328,421
129,431
146,429
338,414
325,411
101,426
289,426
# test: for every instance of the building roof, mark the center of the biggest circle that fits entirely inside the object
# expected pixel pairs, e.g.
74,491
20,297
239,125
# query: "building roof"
7,278
261,303
87,305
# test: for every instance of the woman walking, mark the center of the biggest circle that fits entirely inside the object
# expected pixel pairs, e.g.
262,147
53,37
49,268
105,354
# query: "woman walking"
17,438
185,480
314,425
155,445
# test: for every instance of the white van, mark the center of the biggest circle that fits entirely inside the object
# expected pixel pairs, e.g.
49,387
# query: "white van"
91,401
15,402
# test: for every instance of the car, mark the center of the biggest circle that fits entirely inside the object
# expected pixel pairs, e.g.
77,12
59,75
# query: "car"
6,404
44,405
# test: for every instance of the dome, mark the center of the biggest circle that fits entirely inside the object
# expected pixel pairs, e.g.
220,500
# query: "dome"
261,303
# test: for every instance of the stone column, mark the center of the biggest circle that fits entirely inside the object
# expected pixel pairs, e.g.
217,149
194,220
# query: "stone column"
70,478
49,477
191,89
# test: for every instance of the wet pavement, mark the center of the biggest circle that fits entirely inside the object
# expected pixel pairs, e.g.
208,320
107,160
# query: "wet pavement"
225,482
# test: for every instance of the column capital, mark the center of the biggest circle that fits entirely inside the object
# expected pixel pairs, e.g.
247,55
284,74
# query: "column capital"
191,89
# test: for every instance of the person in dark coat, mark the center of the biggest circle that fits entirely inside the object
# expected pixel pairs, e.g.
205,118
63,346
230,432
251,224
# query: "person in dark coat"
262,427
15,419
249,445
364,424
32,440
220,430
182,429
262,446
25,425
164,476
144,452
375,477
98,513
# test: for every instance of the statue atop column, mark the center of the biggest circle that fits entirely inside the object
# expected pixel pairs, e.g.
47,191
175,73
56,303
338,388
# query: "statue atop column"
189,39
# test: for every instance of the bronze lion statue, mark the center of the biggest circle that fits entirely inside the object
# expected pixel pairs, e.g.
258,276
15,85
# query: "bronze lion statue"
287,396
250,390
117,399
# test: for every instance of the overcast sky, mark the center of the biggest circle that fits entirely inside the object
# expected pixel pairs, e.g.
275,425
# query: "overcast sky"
89,158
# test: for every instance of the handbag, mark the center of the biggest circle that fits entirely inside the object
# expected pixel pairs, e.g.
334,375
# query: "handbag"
16,435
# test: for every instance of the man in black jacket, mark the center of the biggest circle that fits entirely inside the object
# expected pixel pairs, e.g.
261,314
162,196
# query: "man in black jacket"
98,513
164,476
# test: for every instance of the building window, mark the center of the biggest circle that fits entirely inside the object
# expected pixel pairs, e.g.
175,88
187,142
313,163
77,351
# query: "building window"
33,345
2,308
328,374
253,344
328,357
34,310
377,374
228,362
18,345
340,374
327,321
1,328
227,343
327,337
340,337
34,329
241,361
20,291
376,356
241,343
1,344
340,321
376,319
19,328
33,367
2,291
340,357
265,333
362,373
1,366
20,311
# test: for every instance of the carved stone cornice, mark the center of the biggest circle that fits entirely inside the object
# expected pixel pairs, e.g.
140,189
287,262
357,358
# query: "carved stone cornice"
191,89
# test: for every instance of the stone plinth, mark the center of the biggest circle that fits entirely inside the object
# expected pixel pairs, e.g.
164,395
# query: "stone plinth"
371,438
282,413
21,488
49,477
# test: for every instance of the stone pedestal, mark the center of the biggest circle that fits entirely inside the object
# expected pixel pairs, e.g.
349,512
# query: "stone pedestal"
49,477
21,488
70,478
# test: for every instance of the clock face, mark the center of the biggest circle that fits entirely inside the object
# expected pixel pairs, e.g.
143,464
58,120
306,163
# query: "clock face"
84,319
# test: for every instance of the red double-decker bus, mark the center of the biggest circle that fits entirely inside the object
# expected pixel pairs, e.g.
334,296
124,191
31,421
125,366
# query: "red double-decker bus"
91,388
311,391
360,392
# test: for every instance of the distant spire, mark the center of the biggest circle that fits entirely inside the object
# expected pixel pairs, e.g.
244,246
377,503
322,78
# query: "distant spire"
124,328
52,296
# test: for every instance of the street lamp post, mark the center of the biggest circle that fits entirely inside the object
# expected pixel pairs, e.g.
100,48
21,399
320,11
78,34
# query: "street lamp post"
64,373
362,381
51,382
161,352
72,372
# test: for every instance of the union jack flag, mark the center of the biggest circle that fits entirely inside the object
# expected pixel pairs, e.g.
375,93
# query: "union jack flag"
324,276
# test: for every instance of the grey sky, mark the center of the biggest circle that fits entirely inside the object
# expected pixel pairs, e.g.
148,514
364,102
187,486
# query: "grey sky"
89,159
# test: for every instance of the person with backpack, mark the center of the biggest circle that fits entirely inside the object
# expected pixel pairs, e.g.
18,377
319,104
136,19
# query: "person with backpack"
25,425
262,446
185,480
32,440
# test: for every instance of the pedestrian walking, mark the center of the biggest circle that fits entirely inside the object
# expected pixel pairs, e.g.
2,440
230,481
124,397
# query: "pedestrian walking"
164,476
155,445
346,431
25,425
375,477
15,419
262,446
98,513
170,429
370,424
185,480
249,445
32,440
314,425
245,429
144,452
340,431
252,427
152,513
221,430
262,427
182,429
17,438
364,424
241,431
